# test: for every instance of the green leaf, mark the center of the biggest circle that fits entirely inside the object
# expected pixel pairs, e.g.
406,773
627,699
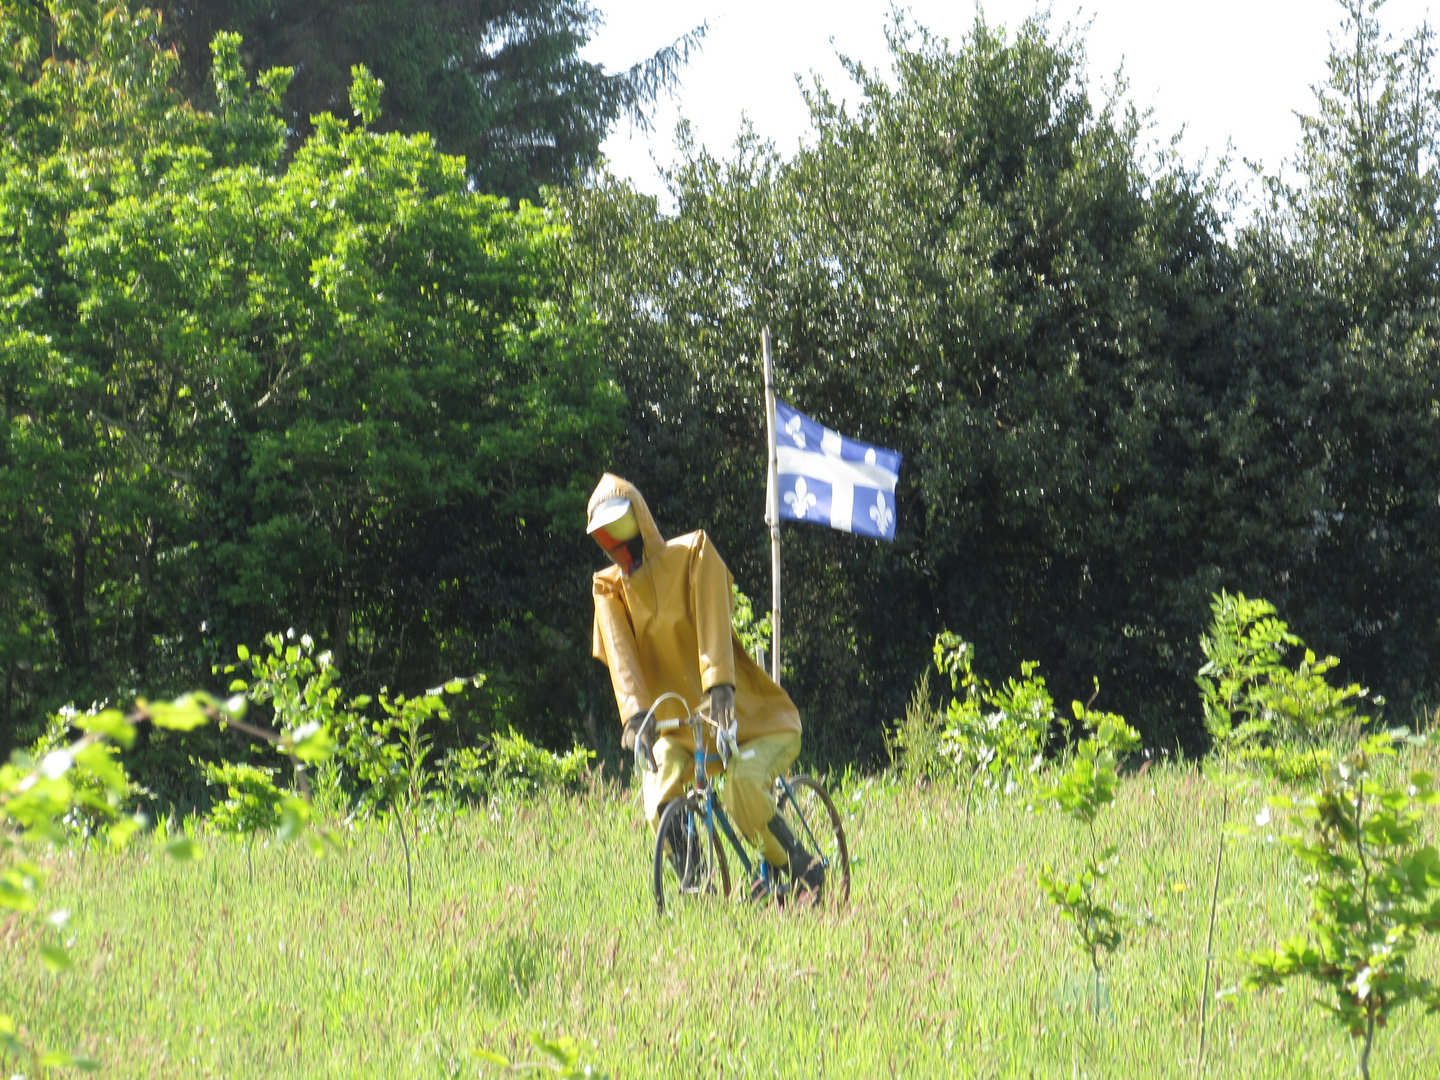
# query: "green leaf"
294,816
183,849
109,722
59,1059
312,743
120,832
56,958
564,1050
98,762
18,886
183,714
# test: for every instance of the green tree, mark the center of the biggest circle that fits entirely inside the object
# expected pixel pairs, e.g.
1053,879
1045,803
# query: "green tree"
499,82
1109,409
86,99
1324,466
342,391
973,264
1085,789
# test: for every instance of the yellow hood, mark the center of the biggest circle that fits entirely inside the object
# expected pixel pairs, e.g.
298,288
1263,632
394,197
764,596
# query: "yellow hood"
613,487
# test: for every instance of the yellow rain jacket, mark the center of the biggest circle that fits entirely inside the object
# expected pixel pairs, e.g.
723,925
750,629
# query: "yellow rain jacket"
666,629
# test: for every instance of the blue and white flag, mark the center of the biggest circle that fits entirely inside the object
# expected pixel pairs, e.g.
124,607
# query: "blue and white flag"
831,480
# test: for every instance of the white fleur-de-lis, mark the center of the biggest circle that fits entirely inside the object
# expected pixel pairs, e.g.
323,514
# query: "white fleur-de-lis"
881,514
801,499
792,428
870,456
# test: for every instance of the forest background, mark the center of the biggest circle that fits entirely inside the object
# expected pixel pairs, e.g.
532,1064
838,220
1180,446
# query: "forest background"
276,355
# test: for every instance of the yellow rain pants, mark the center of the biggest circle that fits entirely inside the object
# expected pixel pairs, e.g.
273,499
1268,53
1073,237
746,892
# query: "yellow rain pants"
748,794
666,629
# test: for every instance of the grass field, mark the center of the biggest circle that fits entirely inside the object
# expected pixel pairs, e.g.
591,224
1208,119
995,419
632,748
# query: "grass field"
948,962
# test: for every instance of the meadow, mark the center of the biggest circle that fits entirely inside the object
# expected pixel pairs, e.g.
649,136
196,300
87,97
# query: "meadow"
535,915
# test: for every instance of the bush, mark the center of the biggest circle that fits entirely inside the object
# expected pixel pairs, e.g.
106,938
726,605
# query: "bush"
1000,746
519,767
993,737
914,744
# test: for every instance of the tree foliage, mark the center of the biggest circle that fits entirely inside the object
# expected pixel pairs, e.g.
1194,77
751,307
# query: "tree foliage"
1326,458
1113,399
974,267
499,82
339,392
256,374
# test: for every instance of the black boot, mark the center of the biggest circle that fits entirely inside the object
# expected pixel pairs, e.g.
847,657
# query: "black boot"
685,854
807,873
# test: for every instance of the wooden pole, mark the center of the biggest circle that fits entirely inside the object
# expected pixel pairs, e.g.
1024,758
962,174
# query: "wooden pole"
772,506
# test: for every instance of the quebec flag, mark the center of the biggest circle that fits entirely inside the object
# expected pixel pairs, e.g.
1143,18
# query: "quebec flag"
831,480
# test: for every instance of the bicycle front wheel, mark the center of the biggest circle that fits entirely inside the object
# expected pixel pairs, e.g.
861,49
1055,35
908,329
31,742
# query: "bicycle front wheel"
689,860
815,823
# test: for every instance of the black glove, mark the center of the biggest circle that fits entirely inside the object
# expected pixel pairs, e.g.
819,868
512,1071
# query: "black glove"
722,712
722,705
646,737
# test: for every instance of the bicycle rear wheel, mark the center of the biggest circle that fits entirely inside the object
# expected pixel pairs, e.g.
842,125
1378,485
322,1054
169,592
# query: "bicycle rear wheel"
689,859
806,807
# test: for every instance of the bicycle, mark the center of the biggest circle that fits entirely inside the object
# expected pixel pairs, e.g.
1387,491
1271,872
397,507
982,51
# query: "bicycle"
698,826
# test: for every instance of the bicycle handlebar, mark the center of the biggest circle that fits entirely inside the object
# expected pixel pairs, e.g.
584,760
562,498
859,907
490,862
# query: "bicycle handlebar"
725,740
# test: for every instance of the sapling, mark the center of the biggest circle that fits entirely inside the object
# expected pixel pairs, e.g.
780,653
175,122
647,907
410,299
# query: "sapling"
389,755
1083,790
296,683
1244,646
252,804
1256,710
1374,889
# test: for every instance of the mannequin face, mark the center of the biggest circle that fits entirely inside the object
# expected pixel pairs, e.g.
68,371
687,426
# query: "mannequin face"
617,531
629,556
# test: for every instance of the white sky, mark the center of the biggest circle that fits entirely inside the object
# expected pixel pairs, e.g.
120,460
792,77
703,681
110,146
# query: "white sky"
1227,71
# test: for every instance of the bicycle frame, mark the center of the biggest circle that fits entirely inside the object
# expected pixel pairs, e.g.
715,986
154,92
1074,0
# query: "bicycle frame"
714,813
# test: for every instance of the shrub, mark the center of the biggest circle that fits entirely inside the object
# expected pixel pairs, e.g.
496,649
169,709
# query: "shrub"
915,744
519,767
987,736
253,803
754,634
1264,715
1257,709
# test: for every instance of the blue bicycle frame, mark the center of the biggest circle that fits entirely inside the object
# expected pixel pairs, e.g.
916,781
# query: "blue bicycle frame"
715,815
714,812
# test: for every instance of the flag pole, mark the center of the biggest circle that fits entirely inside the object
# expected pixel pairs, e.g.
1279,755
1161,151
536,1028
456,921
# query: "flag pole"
772,506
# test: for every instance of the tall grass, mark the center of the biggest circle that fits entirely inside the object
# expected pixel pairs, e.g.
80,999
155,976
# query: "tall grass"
949,961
